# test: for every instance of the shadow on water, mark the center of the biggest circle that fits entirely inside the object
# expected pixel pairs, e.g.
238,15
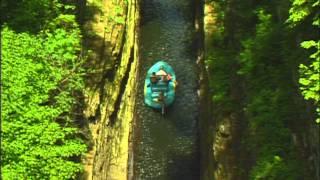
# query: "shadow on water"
179,164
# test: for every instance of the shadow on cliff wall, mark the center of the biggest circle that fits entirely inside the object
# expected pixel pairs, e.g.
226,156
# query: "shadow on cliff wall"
101,65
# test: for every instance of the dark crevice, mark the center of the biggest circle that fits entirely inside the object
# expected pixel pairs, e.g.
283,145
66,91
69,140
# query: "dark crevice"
119,55
102,50
92,119
110,74
123,84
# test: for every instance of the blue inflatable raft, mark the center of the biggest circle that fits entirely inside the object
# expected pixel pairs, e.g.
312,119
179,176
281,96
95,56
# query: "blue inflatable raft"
160,93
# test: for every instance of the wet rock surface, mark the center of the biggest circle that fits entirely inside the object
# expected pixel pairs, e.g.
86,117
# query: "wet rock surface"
166,146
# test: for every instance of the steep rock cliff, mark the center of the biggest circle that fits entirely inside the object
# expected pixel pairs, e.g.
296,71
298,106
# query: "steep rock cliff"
110,85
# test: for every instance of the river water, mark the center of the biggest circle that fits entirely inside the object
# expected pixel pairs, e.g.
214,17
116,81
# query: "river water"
166,147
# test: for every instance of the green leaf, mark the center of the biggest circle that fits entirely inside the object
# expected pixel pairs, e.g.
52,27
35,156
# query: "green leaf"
309,44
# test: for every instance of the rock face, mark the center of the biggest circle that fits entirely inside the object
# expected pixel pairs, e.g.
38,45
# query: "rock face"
223,149
219,132
207,123
110,85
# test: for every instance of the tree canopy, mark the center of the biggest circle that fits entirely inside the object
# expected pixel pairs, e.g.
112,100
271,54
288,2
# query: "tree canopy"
41,74
265,68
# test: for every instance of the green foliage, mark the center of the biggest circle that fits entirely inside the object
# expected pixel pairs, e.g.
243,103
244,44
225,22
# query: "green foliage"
309,81
269,136
29,15
117,16
301,9
40,74
254,47
310,76
310,73
223,62
33,15
218,65
275,168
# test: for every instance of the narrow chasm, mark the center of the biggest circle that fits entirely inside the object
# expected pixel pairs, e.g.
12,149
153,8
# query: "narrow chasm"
238,94
167,146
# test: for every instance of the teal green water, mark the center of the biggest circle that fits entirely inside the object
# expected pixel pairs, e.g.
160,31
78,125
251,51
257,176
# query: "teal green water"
166,146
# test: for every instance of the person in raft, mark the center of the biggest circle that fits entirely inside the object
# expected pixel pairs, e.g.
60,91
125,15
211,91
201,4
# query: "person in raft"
165,77
154,78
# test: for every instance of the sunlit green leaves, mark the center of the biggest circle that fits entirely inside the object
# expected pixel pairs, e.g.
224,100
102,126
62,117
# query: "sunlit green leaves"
117,15
309,44
310,72
39,75
266,54
31,15
300,9
310,76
